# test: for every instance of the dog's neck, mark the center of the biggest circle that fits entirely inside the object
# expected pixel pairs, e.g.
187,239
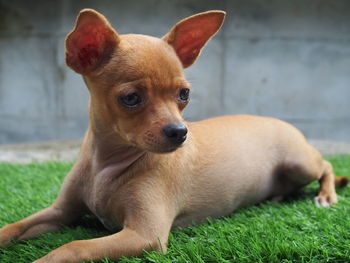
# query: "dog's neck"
111,151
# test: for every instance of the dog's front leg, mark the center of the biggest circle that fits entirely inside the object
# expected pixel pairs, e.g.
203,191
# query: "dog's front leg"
127,242
146,228
49,219
67,208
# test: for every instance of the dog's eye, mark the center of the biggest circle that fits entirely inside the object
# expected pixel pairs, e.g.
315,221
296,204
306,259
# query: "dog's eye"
130,100
184,95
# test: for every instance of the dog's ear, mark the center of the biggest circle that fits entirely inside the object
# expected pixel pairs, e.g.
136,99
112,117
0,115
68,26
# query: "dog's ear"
189,36
91,43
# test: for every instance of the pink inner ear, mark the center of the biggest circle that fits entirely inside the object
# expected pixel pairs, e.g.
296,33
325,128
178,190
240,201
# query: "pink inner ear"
192,34
189,46
88,46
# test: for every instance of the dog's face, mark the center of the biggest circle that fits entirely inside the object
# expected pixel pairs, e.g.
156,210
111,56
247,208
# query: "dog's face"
143,91
137,85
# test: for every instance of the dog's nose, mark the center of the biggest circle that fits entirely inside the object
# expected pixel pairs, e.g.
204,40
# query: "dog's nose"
175,133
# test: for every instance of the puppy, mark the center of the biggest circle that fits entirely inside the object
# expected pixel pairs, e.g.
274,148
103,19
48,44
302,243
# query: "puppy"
144,169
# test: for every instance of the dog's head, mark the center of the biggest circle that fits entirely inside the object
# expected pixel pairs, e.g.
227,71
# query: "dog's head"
137,85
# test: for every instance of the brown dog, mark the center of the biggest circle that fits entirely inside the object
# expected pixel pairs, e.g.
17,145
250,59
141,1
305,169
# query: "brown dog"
138,91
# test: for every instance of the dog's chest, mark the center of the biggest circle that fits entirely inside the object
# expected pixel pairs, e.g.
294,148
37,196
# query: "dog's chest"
98,198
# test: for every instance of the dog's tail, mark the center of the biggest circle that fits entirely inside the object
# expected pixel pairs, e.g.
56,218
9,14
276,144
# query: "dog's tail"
341,181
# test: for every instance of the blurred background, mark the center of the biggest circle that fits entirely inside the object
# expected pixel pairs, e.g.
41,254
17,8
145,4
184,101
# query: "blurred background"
280,58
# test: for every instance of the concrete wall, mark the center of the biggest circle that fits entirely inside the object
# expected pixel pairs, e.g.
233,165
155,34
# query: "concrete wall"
281,58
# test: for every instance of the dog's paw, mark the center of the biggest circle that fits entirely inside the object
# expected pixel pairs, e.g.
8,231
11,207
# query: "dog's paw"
7,234
326,200
5,238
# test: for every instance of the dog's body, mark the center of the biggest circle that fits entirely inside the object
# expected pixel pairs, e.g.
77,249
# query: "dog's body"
120,175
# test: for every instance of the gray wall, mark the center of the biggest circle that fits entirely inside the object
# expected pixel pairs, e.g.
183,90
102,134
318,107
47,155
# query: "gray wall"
281,58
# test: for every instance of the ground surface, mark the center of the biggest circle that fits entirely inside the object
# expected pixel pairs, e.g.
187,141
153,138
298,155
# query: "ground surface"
295,231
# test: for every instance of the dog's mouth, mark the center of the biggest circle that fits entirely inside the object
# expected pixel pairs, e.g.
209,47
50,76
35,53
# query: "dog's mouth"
163,149
165,140
163,146
172,148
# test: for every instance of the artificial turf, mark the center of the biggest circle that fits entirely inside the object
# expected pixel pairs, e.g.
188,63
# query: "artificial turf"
293,231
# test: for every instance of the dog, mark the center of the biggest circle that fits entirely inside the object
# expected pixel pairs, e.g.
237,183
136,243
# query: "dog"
142,168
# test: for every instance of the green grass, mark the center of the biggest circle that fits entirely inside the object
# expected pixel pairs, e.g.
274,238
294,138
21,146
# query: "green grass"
295,231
